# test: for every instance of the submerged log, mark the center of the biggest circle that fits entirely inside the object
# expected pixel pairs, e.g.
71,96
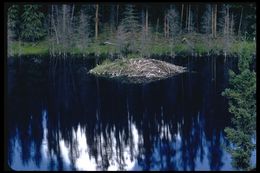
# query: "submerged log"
137,70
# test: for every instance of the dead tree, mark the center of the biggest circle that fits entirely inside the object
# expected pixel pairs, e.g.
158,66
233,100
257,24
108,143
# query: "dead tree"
96,22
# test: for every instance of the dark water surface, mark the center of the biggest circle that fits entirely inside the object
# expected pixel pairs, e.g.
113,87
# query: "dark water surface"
60,118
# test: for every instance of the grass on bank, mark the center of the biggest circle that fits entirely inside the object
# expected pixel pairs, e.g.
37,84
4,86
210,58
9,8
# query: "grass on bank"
25,48
199,45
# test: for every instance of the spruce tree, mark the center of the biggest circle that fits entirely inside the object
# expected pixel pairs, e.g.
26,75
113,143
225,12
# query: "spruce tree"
32,28
174,23
129,29
84,32
242,106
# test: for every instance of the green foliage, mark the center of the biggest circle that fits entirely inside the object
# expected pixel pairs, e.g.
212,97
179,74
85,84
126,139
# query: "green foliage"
173,18
127,34
181,49
14,20
251,20
29,23
242,105
130,21
32,28
83,30
157,46
237,46
26,48
160,47
200,48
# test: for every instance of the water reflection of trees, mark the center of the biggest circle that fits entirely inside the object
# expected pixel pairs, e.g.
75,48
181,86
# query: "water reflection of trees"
175,119
25,105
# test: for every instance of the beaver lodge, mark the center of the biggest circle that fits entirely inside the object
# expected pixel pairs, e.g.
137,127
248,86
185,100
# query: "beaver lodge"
137,70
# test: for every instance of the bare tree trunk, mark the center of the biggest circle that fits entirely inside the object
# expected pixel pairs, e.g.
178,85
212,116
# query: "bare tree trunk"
96,23
212,22
240,22
58,17
197,9
112,18
64,18
215,21
157,27
146,21
54,25
231,24
182,8
168,27
70,25
228,23
9,52
117,10
187,14
189,20
72,14
165,26
64,29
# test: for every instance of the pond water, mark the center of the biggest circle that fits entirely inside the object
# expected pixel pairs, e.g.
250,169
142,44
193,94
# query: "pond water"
61,118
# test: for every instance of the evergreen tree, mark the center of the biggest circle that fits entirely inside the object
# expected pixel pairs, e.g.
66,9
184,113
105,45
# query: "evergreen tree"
112,18
174,23
251,20
32,23
14,20
128,30
207,20
226,24
11,26
145,37
84,31
242,105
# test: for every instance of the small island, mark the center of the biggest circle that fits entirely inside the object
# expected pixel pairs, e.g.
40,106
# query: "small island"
137,70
